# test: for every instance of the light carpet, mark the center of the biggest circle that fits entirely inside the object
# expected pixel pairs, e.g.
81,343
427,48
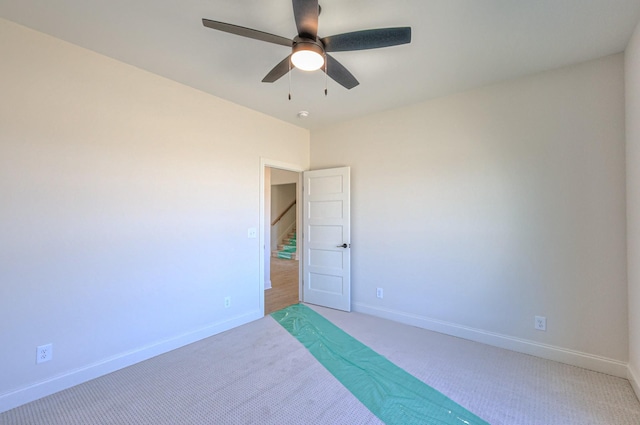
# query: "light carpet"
392,394
259,374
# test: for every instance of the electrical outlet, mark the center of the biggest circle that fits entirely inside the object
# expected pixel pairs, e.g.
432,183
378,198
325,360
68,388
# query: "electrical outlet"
379,293
252,233
44,353
540,323
227,302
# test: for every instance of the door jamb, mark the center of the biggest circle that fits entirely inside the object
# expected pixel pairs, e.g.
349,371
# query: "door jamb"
264,163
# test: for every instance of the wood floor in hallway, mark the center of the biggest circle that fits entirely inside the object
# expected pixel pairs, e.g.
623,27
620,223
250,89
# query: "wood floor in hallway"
284,285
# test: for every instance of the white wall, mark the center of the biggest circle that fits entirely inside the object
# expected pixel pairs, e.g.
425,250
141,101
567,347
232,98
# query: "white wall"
279,177
478,211
632,91
282,195
126,200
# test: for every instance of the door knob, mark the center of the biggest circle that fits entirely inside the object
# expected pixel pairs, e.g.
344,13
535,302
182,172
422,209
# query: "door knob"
344,245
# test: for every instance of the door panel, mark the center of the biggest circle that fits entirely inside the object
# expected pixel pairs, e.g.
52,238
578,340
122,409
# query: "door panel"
326,234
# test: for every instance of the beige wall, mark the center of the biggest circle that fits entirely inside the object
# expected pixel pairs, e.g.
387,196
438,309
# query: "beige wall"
126,200
478,211
282,195
632,90
279,177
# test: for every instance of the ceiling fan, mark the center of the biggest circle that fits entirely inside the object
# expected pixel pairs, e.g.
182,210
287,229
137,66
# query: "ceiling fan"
309,52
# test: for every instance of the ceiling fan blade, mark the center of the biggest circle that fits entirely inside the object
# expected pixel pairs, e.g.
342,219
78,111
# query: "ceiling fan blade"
367,39
278,71
306,15
247,32
339,73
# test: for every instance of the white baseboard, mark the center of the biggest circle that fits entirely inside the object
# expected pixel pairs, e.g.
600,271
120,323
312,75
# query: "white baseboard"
267,284
559,354
86,373
633,380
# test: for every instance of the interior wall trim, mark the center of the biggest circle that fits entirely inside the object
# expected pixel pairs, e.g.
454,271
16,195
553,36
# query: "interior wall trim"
20,396
632,376
549,352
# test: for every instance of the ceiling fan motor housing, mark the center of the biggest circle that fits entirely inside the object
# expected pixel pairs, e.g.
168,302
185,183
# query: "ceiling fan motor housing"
300,43
307,54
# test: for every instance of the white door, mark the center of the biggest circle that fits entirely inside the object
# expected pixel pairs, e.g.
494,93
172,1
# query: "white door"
326,235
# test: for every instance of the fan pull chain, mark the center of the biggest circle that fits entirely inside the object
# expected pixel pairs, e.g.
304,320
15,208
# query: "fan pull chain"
289,79
326,75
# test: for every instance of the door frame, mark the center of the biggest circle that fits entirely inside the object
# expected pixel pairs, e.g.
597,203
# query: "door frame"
264,163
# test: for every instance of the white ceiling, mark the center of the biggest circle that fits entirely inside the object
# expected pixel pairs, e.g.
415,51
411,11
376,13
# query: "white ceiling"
456,45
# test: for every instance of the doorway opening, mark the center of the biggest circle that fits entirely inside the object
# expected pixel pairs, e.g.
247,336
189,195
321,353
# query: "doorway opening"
281,209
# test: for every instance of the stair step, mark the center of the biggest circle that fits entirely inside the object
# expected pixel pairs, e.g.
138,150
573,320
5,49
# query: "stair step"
284,255
287,248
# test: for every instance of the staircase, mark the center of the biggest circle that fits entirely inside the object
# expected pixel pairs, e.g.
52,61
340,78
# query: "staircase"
287,249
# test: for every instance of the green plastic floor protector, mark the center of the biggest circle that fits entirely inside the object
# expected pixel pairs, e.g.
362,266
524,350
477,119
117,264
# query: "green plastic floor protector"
388,391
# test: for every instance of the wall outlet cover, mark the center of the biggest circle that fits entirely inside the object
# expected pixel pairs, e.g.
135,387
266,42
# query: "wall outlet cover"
44,353
540,323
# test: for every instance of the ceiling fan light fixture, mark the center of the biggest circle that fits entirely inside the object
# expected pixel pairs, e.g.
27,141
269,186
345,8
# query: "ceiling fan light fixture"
310,52
307,56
